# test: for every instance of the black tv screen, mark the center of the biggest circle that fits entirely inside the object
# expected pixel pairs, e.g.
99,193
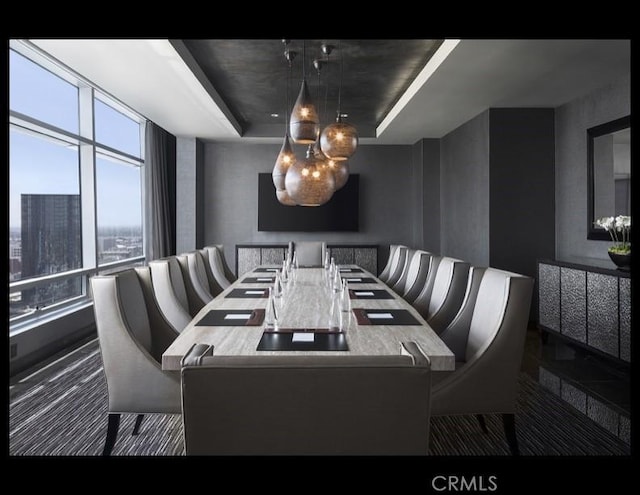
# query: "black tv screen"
340,213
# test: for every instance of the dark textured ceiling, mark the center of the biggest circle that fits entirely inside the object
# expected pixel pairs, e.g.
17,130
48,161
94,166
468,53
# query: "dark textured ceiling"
250,78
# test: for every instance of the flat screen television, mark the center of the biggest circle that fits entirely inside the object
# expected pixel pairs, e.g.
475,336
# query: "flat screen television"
340,214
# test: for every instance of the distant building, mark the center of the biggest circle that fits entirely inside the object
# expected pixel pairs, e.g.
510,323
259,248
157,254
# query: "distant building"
51,243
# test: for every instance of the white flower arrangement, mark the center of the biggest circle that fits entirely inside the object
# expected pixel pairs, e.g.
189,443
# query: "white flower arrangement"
619,229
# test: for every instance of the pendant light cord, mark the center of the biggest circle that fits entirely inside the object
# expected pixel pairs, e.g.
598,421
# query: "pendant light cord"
340,87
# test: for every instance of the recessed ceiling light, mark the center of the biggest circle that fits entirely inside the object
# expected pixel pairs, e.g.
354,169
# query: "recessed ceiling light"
275,115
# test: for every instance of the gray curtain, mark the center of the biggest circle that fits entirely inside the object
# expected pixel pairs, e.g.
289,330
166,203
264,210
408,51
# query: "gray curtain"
160,198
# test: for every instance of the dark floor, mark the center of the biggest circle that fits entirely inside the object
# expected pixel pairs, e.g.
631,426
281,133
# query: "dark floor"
595,385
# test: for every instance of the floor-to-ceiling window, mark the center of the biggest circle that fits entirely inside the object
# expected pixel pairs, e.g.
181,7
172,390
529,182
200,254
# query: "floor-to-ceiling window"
75,185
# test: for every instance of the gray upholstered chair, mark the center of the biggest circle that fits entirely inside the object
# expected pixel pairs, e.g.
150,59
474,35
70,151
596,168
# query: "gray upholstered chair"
310,253
164,332
386,271
136,383
215,264
487,336
421,265
196,282
228,273
169,289
398,287
306,405
442,296
399,261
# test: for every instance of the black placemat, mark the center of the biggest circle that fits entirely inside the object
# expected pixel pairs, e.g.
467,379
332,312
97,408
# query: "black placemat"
258,280
351,270
322,341
364,280
242,293
377,294
216,318
400,317
262,269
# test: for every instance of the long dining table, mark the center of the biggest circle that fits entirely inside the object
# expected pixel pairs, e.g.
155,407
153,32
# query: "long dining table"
305,308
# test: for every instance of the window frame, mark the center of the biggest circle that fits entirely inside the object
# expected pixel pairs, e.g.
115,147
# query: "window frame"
88,149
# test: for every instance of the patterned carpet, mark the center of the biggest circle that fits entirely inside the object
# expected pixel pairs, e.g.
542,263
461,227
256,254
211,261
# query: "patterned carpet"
63,411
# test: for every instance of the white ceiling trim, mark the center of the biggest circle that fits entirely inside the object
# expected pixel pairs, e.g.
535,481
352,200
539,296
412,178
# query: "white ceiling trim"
430,67
149,76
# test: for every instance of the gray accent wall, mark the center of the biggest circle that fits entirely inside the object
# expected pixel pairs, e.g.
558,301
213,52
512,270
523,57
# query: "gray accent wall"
572,121
231,197
189,194
464,192
522,205
426,177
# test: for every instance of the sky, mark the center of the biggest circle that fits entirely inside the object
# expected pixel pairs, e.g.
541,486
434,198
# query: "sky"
39,166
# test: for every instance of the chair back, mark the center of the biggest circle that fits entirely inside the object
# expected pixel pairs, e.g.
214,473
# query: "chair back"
307,405
310,253
397,267
419,269
135,381
169,289
449,287
195,280
215,262
384,274
486,381
228,273
409,268
162,332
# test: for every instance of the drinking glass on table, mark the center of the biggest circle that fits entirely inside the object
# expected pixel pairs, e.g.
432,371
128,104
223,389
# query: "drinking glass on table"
335,315
271,312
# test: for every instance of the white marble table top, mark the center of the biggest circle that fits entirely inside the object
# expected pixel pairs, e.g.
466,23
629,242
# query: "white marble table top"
307,305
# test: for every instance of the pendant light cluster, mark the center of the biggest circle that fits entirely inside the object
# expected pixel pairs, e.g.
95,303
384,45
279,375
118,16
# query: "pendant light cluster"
324,169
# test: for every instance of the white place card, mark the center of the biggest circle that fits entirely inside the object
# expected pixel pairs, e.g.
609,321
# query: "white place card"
353,279
345,269
365,293
373,316
238,316
302,337
273,269
254,292
264,279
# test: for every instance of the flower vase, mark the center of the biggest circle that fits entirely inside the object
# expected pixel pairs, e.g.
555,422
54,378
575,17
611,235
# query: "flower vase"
621,260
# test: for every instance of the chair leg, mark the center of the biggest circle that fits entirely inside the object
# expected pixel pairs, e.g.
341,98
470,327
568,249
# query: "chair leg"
112,433
482,422
136,427
509,421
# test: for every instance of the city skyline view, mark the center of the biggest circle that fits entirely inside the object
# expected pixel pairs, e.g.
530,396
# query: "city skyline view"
43,165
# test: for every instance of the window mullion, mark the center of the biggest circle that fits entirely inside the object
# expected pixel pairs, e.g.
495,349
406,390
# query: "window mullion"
88,181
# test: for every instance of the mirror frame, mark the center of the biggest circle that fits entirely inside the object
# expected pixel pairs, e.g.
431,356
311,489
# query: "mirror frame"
593,232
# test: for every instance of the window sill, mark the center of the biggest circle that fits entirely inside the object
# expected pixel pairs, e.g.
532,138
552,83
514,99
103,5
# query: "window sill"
40,318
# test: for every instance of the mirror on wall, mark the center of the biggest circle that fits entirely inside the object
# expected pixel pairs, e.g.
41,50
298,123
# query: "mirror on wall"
609,173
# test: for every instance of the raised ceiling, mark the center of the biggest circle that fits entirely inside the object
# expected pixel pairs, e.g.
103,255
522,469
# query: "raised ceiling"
250,77
461,80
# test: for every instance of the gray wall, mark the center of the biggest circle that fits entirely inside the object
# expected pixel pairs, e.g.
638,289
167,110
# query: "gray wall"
522,188
572,121
464,192
231,197
426,186
431,194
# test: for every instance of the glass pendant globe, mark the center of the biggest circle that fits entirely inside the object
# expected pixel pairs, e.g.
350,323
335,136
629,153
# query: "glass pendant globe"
310,182
284,198
339,140
285,159
304,123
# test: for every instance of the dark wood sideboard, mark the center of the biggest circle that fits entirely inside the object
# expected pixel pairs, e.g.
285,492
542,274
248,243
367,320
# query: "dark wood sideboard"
249,256
587,302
